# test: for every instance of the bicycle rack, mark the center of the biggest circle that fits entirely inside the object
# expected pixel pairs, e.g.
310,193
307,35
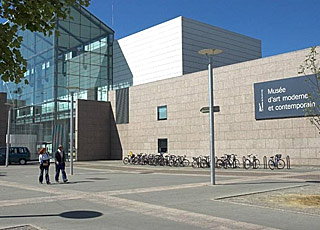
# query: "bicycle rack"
288,162
265,162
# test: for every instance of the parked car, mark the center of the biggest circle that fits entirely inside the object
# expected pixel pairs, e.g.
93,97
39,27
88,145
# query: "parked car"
16,155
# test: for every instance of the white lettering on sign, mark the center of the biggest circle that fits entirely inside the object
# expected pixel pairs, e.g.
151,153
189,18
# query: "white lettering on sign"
290,99
294,106
278,90
295,97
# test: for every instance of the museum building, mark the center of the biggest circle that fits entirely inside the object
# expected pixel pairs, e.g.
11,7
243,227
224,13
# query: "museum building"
144,92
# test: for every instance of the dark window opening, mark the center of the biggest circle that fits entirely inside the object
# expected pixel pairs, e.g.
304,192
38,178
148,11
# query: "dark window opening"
162,145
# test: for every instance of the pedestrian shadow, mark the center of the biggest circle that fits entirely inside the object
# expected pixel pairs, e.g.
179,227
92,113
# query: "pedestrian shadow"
69,215
73,182
97,178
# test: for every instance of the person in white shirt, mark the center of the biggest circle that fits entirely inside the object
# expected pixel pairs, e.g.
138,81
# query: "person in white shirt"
44,160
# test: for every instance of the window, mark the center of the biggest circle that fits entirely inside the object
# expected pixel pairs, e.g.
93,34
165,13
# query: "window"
162,145
20,150
162,112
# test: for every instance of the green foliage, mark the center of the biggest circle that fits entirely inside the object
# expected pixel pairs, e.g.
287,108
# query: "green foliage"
311,65
34,15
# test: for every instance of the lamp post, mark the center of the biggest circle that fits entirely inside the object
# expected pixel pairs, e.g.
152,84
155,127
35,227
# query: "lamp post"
71,127
209,53
8,133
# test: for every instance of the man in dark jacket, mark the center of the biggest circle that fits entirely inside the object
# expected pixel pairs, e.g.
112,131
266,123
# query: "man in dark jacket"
60,164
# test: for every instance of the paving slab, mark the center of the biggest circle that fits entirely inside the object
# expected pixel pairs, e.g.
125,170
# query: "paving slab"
110,195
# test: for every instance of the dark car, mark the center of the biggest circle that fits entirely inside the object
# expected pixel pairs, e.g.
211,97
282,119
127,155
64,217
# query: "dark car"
16,155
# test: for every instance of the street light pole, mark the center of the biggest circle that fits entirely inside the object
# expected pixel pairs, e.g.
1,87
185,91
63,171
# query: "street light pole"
8,136
211,115
71,135
71,90
209,53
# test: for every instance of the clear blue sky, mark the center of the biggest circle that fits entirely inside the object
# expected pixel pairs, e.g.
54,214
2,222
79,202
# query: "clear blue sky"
281,25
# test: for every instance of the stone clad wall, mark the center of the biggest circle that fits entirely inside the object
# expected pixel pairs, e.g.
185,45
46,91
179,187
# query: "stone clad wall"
239,132
236,130
92,130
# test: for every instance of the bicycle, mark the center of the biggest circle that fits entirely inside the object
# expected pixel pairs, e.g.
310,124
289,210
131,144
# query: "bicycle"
228,161
129,159
276,162
251,161
181,161
201,162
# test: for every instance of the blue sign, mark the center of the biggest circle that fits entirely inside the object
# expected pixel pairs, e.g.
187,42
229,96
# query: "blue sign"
291,97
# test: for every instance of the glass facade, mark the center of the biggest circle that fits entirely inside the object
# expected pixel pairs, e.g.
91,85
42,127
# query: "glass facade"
79,59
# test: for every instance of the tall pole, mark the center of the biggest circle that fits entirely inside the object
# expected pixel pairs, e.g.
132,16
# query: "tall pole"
211,114
71,135
209,53
8,137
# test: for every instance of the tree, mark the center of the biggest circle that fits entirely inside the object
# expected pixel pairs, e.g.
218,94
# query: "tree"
36,16
311,69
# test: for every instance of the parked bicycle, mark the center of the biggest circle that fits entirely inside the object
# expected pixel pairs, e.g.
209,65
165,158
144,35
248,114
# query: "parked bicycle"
251,161
276,162
201,162
228,161
129,159
181,161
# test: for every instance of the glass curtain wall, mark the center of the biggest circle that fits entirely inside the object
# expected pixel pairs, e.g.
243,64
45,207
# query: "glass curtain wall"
79,59
32,117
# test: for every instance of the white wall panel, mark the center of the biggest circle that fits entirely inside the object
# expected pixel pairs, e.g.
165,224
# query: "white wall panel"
150,55
171,48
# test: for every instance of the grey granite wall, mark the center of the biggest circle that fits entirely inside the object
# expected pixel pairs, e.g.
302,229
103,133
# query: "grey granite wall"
236,130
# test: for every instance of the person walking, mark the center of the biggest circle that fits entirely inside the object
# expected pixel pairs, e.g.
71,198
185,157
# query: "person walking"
44,160
60,164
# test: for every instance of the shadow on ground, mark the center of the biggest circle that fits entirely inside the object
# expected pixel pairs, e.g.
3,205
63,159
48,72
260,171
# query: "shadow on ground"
70,215
72,182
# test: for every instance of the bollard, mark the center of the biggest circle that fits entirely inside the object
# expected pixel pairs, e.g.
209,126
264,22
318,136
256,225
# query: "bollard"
243,160
288,162
215,162
265,163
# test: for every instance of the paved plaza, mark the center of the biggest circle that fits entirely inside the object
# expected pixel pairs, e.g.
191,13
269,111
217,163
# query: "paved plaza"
110,195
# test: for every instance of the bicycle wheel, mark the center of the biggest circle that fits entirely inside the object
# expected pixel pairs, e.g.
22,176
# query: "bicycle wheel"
256,163
125,160
185,163
161,162
226,164
271,164
236,163
204,164
219,164
247,164
194,164
135,161
281,164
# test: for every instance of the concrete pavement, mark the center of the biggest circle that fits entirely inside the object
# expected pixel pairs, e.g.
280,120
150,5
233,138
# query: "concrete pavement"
110,195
